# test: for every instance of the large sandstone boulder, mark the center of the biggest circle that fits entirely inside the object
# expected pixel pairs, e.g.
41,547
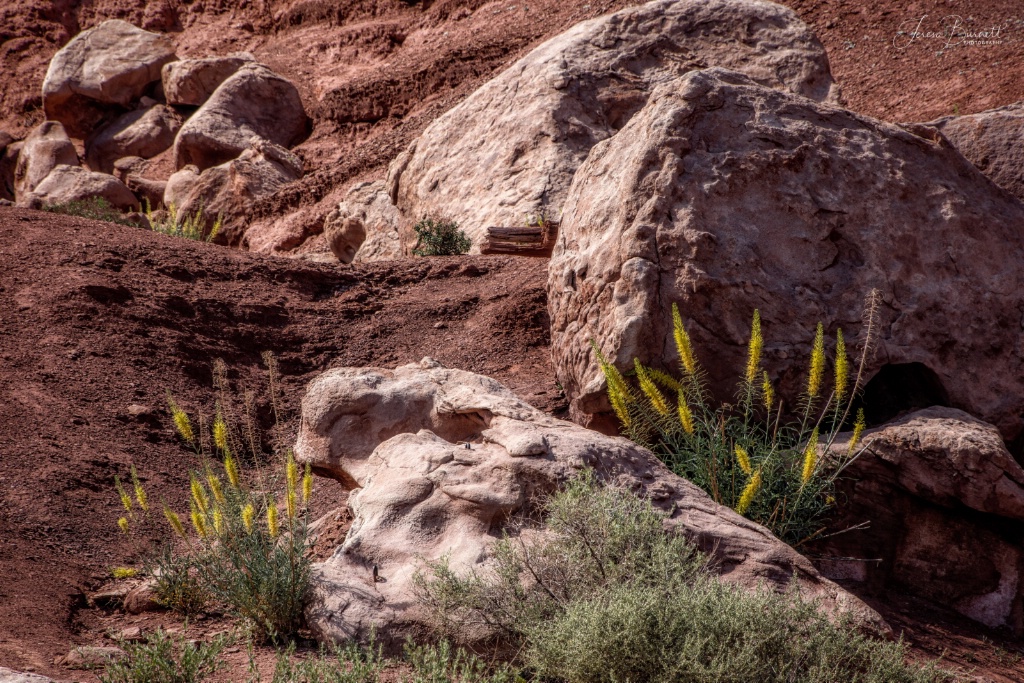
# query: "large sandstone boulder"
12,676
254,101
510,149
993,141
725,196
192,81
45,148
345,237
73,184
110,65
141,133
443,458
370,205
228,190
943,501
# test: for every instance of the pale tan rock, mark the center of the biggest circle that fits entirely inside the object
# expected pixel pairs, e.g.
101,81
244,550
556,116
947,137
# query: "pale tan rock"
344,237
941,497
45,148
92,656
399,436
370,204
192,81
107,66
142,598
252,102
141,133
74,183
725,196
228,190
510,150
993,141
12,676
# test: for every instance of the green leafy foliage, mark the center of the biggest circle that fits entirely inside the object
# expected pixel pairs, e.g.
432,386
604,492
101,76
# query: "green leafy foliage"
440,238
606,595
95,208
162,658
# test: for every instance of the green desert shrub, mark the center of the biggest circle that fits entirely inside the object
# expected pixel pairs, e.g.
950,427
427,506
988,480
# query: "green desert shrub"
162,658
748,455
96,208
436,237
178,585
606,595
171,221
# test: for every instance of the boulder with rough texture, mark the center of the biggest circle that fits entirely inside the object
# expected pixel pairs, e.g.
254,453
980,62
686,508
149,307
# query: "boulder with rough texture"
45,148
141,133
344,237
12,676
110,65
401,436
192,81
229,190
726,196
74,183
944,501
993,141
254,101
510,149
370,204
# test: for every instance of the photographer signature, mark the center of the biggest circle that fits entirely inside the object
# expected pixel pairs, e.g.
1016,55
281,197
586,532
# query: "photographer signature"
953,32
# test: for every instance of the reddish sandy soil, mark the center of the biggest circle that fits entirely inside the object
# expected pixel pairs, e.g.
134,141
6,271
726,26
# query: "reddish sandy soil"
95,318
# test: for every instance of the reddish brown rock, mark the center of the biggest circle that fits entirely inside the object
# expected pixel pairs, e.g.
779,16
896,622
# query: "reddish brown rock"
401,437
46,147
74,183
192,81
725,196
141,133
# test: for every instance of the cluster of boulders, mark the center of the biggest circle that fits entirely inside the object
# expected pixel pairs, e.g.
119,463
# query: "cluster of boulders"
228,121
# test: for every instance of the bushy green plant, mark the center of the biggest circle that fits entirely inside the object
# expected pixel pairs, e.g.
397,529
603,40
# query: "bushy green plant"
95,208
349,664
162,658
778,471
189,226
442,663
606,595
178,586
436,237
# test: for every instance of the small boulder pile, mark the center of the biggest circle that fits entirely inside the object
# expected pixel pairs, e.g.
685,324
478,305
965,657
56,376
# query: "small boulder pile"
228,121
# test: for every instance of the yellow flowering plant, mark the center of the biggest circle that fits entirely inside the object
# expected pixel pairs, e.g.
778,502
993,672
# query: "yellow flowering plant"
779,471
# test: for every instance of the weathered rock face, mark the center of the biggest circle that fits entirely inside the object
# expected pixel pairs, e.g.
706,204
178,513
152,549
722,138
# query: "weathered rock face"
992,141
141,133
254,101
370,204
511,149
111,64
46,147
192,81
12,676
944,500
345,237
228,190
726,196
400,436
74,183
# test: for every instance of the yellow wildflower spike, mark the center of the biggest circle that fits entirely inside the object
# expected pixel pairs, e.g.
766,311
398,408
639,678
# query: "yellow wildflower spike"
218,491
650,389
140,493
248,513
126,500
858,429
307,484
767,391
292,472
664,379
810,457
747,497
199,496
124,572
619,394
683,345
619,406
817,370
174,521
743,458
181,422
231,469
123,524
220,433
291,503
272,525
218,521
842,367
685,414
754,348
198,522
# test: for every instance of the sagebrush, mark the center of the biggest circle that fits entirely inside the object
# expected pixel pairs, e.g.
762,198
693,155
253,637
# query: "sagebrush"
163,658
606,595
193,226
95,208
439,237
776,466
